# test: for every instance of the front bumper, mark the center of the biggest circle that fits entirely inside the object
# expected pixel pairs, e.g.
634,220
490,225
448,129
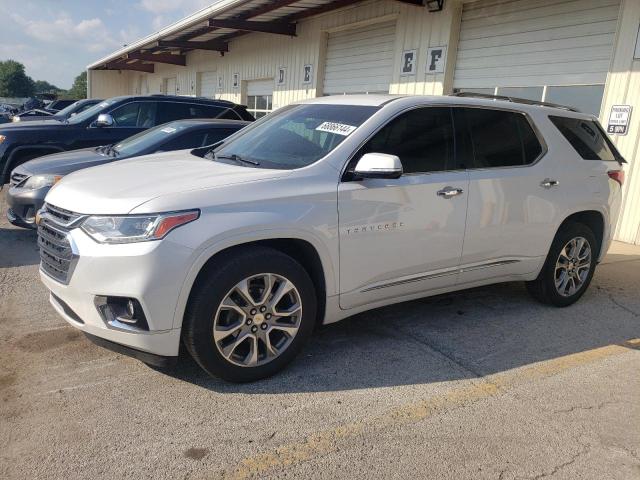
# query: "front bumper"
24,204
150,272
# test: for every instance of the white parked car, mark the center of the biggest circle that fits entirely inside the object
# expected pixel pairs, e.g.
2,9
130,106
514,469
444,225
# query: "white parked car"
323,209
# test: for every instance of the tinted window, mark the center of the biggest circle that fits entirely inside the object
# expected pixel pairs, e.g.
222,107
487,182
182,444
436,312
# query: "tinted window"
585,137
421,138
296,136
135,114
186,140
217,134
151,140
498,138
179,111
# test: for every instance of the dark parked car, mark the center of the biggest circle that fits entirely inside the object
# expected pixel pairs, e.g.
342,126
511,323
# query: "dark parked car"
31,181
61,115
106,123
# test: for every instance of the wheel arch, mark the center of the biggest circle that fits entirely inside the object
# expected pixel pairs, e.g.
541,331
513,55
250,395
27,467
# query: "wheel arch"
595,220
304,251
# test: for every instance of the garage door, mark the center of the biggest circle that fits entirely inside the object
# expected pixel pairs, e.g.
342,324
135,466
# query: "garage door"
360,60
260,97
553,50
207,84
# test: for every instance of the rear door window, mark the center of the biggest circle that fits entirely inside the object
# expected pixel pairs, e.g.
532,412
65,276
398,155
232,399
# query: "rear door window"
170,111
496,138
586,137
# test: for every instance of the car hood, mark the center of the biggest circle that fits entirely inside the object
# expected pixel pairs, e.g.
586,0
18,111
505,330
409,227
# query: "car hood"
119,187
65,162
41,118
19,127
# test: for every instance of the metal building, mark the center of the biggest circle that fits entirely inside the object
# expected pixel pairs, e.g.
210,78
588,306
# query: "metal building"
268,53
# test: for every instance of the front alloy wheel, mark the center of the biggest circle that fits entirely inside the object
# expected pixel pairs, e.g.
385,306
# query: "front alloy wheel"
250,313
257,320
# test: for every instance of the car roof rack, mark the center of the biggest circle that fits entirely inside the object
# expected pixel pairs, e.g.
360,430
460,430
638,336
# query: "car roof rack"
515,100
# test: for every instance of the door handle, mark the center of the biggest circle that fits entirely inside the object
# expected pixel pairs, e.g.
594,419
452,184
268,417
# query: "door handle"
448,192
548,183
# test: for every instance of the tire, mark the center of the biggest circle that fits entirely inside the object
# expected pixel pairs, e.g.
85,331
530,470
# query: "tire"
556,268
227,357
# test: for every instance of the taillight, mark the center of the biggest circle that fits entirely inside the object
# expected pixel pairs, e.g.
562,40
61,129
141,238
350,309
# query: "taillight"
617,175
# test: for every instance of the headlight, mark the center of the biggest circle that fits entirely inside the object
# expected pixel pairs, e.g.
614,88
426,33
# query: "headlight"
15,118
135,228
2,138
39,181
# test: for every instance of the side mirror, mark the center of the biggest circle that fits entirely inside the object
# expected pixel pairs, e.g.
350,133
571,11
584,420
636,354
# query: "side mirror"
378,165
104,120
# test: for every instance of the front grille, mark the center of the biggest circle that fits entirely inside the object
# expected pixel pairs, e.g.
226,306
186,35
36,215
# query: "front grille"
61,216
17,178
56,255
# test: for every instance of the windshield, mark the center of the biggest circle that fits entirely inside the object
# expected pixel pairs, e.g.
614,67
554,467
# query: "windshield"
295,136
65,112
149,138
91,112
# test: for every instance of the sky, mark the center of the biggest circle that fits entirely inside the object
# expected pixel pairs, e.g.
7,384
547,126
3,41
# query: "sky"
57,39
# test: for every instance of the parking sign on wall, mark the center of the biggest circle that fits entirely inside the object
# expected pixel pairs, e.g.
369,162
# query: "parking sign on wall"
619,119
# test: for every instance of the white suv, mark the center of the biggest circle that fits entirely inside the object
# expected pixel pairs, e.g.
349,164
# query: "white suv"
323,209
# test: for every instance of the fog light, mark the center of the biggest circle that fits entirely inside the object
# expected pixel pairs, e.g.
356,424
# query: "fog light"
122,312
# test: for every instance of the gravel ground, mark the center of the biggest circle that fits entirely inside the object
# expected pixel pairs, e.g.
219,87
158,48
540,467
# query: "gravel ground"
481,384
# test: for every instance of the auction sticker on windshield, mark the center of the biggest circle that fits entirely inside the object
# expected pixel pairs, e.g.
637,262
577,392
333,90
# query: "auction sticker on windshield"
337,128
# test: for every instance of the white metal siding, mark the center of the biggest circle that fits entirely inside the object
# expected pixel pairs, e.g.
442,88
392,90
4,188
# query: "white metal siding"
623,88
170,86
535,42
207,84
360,60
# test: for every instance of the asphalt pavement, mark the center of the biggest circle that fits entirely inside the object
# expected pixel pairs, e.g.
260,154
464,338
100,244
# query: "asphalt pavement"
481,384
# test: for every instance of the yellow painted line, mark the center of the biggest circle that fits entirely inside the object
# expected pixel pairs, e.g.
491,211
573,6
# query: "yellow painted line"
327,441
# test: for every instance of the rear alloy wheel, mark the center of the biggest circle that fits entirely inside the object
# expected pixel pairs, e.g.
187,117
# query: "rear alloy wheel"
569,267
573,266
250,314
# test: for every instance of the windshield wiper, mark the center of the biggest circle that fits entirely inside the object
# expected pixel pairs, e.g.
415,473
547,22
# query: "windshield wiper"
237,158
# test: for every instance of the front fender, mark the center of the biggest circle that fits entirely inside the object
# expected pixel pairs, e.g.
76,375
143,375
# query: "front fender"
16,151
233,239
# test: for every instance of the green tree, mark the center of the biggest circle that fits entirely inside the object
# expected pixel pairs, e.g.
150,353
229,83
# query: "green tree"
14,82
43,86
79,87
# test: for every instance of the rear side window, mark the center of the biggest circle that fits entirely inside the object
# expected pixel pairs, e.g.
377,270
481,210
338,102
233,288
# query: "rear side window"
498,138
586,137
169,111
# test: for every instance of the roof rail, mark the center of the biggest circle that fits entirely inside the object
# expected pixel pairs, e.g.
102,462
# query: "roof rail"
515,100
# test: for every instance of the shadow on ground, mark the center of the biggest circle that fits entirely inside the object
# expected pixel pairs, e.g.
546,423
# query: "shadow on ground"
456,336
18,247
